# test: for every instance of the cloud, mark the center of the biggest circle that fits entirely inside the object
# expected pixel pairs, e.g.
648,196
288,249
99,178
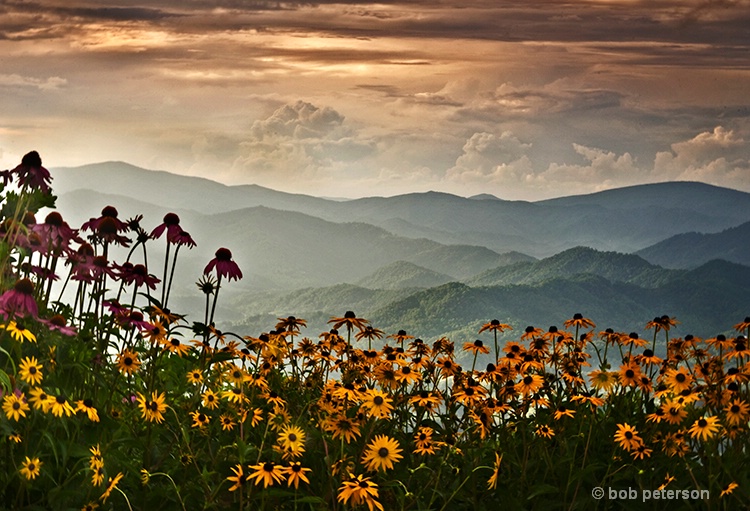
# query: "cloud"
16,80
301,139
718,157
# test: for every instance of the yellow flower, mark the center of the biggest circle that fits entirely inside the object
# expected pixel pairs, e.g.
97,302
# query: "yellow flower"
627,437
267,472
60,406
704,428
30,371
195,377
360,490
19,332
39,399
296,473
111,485
87,406
200,419
381,453
729,489
292,440
492,482
238,479
14,406
227,422
210,399
91,506
378,403
127,362
30,468
152,409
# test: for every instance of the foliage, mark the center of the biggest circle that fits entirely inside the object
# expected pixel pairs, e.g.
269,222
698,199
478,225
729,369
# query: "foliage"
112,401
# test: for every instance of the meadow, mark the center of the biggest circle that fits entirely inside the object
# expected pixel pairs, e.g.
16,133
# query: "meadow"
111,400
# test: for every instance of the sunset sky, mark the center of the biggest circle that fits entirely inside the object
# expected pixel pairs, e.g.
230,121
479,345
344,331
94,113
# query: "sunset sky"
521,99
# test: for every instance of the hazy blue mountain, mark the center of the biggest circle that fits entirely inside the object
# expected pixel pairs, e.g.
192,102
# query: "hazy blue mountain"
623,220
403,274
613,266
707,301
693,249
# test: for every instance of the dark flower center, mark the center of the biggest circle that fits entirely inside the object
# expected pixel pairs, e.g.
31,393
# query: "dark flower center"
88,403
223,254
702,423
54,219
378,400
680,377
527,380
153,406
110,212
268,467
60,400
292,437
171,219
24,286
383,452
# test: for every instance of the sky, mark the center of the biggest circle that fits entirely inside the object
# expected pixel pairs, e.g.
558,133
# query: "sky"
525,100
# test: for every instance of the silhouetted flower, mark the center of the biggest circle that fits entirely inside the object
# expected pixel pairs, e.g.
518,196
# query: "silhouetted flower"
225,266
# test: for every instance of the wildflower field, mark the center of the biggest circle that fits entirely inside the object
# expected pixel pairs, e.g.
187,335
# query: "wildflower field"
111,400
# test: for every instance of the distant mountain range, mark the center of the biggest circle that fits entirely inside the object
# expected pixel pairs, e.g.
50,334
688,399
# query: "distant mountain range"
440,264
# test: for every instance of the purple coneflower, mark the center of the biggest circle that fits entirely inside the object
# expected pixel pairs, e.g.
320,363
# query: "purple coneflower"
170,223
58,323
31,173
225,267
19,301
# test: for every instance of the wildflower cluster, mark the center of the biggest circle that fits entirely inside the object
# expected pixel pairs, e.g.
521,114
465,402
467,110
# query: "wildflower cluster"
94,366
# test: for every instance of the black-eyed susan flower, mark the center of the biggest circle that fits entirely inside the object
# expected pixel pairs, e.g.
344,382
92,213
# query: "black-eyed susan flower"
360,490
127,362
95,460
91,506
630,374
377,403
737,412
627,437
381,453
545,431
563,411
200,419
296,473
705,427
678,379
529,384
641,452
341,426
674,413
492,481
729,489
30,371
39,399
476,347
579,321
112,483
87,406
239,478
60,406
176,347
195,377
31,468
210,400
19,332
152,409
292,439
234,395
257,417
15,437
227,422
268,473
15,406
97,475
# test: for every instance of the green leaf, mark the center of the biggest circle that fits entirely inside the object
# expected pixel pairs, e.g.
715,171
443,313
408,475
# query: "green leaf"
5,381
